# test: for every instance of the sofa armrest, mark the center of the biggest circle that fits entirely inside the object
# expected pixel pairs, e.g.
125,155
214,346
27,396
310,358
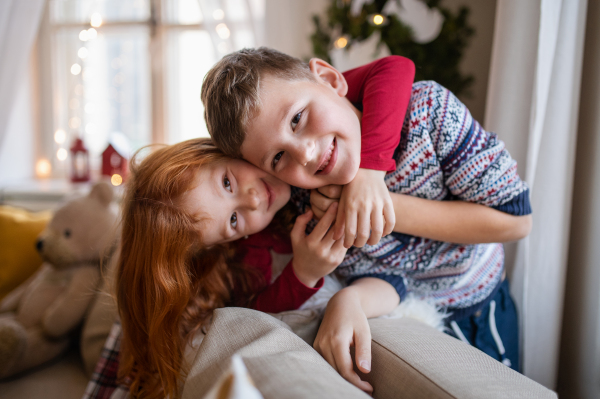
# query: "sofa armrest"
421,362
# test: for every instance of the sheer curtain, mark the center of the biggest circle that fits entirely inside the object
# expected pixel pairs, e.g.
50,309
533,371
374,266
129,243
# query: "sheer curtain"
533,102
19,21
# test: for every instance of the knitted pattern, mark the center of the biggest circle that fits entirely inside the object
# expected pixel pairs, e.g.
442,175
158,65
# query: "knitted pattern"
444,154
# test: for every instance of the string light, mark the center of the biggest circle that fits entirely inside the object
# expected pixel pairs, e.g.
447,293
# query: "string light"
83,53
96,20
75,69
83,35
92,33
43,168
74,122
341,42
218,14
60,136
223,31
61,154
378,19
116,180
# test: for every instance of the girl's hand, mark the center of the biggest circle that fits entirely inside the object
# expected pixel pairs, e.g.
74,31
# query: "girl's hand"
345,325
317,254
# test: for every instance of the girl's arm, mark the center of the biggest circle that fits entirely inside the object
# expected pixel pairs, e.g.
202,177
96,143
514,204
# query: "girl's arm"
315,256
345,325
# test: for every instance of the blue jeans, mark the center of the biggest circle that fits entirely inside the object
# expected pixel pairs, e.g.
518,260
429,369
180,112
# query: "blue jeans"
494,329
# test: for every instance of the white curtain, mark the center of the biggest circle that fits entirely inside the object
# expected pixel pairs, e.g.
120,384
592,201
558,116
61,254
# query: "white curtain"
19,21
533,102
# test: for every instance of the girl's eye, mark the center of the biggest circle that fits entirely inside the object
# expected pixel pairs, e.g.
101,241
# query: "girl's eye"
226,183
277,158
296,120
233,220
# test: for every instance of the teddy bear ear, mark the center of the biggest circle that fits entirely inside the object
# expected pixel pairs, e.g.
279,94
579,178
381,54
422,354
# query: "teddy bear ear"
102,192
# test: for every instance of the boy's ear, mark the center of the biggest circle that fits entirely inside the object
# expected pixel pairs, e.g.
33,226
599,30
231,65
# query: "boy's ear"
325,73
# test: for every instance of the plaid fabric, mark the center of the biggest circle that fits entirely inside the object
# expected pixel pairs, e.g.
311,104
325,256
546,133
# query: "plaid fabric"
103,384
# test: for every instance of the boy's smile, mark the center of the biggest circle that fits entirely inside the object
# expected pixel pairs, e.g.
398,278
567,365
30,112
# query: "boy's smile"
306,133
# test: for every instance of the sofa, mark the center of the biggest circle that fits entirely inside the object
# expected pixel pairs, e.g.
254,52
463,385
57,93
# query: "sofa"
410,359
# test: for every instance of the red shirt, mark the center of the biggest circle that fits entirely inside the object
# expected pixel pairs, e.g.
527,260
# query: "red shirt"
383,87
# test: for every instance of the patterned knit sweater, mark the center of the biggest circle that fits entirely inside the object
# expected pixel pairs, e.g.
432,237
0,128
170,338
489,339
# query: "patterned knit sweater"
444,154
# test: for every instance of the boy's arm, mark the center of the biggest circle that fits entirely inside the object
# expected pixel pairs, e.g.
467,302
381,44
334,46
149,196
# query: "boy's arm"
345,325
383,87
458,222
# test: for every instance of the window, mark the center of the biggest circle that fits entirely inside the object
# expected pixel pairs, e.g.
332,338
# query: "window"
134,68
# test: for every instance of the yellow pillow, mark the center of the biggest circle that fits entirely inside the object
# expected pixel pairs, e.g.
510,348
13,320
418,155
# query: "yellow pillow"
18,257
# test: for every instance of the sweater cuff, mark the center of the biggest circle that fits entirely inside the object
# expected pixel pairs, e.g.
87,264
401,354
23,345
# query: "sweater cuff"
396,281
293,279
298,291
518,206
386,165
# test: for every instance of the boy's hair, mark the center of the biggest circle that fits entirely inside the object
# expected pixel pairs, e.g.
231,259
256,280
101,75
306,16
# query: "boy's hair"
230,91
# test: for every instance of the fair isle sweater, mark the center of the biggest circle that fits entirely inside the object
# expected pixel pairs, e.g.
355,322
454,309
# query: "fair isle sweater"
444,154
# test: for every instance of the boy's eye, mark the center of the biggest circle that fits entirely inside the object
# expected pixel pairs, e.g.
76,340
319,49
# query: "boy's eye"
226,183
277,158
233,220
296,120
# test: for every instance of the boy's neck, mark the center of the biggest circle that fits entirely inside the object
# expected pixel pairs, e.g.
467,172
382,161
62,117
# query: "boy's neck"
355,110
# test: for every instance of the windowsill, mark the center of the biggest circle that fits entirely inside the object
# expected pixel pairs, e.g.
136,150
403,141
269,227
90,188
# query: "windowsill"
44,194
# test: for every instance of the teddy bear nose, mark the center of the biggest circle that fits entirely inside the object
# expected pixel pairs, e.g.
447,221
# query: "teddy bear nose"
39,244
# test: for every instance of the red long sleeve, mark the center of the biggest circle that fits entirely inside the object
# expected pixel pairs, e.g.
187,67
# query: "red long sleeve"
286,292
383,87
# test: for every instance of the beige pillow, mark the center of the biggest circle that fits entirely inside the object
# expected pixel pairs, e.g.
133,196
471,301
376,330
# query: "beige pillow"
99,319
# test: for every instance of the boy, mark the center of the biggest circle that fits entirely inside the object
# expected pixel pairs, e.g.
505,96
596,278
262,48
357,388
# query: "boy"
365,202
303,130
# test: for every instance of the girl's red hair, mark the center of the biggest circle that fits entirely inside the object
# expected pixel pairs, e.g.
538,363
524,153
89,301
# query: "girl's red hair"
167,284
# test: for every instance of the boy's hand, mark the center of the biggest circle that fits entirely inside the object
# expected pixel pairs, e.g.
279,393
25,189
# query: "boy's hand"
322,198
317,254
365,207
345,325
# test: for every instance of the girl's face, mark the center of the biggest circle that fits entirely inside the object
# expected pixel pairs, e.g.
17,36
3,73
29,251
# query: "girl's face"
233,199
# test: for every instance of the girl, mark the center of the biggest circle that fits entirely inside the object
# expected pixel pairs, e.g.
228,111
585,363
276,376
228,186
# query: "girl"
186,249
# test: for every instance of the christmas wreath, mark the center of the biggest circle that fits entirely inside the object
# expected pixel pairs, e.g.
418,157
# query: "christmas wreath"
432,36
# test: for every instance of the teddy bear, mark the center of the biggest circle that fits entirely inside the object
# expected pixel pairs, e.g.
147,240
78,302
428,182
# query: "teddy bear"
37,318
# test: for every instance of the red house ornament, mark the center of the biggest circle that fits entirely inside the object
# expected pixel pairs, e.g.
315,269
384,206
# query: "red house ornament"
80,162
115,159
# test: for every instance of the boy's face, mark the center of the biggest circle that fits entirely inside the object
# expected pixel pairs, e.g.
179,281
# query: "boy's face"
307,133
